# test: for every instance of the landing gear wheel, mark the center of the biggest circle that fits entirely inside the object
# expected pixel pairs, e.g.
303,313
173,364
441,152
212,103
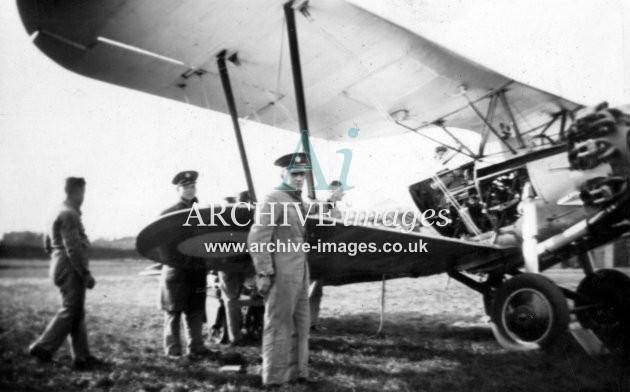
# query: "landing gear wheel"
605,297
529,312
219,330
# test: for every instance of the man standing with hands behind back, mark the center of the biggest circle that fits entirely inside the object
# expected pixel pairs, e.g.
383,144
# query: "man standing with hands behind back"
283,277
68,245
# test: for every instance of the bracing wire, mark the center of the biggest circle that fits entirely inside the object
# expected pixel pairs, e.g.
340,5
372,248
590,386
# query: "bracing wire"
249,105
280,60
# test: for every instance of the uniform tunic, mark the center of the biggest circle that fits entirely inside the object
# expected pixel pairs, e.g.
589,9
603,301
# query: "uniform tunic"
285,334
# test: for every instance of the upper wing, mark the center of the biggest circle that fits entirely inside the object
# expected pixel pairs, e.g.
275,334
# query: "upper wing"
359,69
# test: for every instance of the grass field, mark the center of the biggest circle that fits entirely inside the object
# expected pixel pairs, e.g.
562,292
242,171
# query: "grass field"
437,338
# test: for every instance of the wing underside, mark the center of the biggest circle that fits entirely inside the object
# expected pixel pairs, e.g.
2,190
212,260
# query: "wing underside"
359,69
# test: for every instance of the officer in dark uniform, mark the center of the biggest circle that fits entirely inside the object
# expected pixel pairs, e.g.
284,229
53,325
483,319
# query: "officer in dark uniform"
183,290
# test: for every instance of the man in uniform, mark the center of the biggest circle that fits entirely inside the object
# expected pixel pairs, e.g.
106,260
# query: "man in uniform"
231,283
440,154
316,291
283,277
69,269
183,289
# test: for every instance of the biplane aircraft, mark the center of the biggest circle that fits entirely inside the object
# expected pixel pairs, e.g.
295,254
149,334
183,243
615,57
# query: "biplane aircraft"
557,188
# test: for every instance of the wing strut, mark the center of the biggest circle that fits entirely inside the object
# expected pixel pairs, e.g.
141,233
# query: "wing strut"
489,124
562,116
544,126
299,87
229,97
440,124
508,110
418,132
492,107
563,124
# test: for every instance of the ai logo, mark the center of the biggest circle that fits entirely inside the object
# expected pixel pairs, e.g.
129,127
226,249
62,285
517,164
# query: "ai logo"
320,182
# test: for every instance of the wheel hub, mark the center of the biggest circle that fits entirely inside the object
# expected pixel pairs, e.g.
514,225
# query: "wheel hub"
529,312
527,315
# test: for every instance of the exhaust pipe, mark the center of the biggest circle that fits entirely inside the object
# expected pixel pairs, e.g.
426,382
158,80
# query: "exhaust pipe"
583,228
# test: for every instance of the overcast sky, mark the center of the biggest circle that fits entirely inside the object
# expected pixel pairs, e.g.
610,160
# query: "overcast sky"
128,145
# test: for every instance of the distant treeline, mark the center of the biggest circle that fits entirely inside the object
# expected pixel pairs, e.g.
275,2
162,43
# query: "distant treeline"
27,244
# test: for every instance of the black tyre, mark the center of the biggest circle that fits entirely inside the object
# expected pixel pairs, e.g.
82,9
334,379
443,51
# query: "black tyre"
529,312
605,298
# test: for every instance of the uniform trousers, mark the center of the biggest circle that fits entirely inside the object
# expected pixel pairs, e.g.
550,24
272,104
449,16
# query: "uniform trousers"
285,335
231,284
172,336
69,320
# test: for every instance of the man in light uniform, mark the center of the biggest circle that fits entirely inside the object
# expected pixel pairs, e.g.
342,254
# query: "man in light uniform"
283,277
316,290
183,289
69,269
